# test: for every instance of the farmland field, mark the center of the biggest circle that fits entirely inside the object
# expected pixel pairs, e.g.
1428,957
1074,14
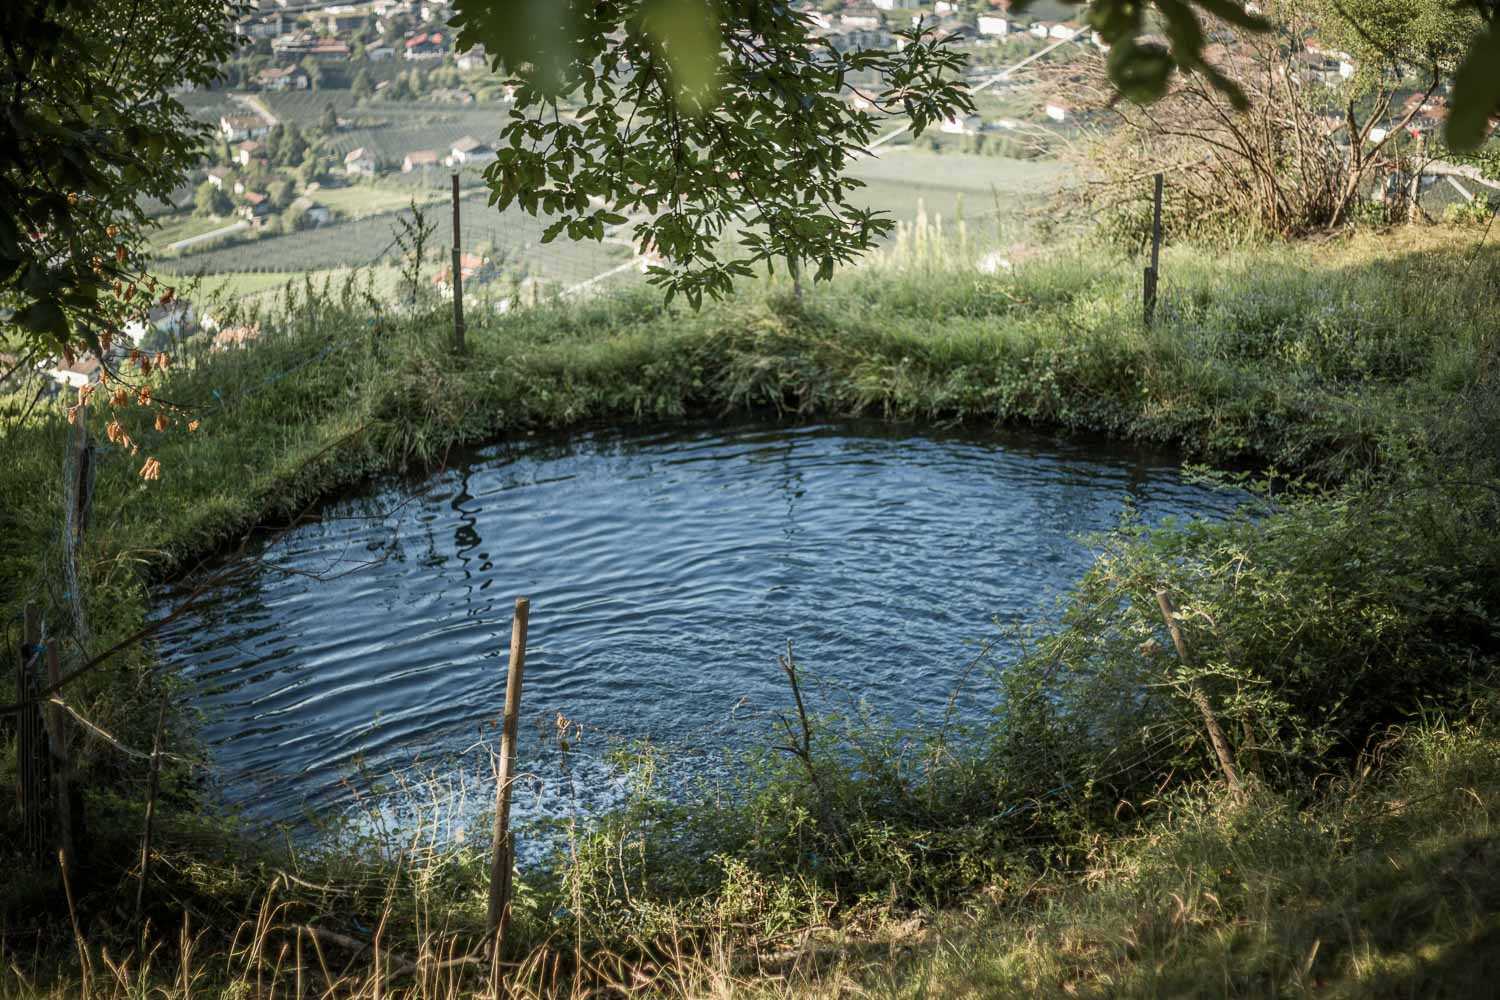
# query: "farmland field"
902,175
371,240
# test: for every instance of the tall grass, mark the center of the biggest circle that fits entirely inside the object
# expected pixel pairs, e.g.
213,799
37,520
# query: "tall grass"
1365,365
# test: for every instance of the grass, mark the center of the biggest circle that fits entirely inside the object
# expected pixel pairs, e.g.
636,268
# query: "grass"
359,200
1360,363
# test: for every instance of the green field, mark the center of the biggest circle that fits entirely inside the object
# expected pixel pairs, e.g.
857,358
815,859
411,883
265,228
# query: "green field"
904,177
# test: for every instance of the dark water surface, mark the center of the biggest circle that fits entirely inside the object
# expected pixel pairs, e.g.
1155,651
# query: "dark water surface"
666,571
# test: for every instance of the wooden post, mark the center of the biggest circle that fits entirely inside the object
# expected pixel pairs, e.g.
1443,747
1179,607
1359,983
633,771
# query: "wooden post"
1414,196
151,787
502,858
84,490
458,277
57,745
1198,698
1153,273
29,764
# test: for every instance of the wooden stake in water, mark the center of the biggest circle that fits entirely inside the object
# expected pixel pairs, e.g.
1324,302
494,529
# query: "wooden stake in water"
1153,273
502,848
458,278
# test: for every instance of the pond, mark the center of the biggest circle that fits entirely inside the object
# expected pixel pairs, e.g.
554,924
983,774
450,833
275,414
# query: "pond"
360,659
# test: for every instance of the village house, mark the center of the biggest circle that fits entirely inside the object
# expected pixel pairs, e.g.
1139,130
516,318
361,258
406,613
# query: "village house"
283,78
343,20
1058,110
235,336
1062,31
894,4
238,128
313,213
470,152
262,26
943,7
249,150
77,375
176,318
419,159
360,162
305,44
960,125
860,22
1040,28
217,176
994,25
474,59
474,270
256,207
426,45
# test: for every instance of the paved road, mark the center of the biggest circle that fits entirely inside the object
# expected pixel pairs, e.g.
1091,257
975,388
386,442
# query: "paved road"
215,234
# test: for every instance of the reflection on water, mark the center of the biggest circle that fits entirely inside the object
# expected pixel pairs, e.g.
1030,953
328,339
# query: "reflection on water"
666,571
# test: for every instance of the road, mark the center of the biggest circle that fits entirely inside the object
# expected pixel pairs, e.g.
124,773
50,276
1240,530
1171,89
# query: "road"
215,234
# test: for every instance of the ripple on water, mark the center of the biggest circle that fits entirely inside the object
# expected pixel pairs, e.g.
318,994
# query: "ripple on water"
666,570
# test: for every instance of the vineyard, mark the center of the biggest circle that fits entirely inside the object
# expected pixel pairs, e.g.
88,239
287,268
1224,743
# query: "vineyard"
512,236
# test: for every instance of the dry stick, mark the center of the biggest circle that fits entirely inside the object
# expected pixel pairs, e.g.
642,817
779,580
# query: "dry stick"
1198,698
57,745
151,786
458,278
84,966
502,859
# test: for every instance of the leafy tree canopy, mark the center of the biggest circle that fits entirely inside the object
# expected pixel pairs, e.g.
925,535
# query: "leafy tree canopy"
89,126
708,115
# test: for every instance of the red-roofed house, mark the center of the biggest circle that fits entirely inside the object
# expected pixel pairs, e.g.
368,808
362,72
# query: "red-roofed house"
427,45
419,159
472,267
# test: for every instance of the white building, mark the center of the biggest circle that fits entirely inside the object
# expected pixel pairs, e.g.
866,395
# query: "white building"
994,24
360,162
470,152
960,125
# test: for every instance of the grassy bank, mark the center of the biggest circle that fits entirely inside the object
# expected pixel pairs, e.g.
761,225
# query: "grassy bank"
1316,624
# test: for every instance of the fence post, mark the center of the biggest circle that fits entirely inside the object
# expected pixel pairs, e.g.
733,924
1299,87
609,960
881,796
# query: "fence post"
57,747
1414,196
502,847
29,769
151,786
1153,273
458,277
84,497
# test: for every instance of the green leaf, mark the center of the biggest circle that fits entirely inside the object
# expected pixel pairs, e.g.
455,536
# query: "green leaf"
1476,93
686,32
1140,70
43,316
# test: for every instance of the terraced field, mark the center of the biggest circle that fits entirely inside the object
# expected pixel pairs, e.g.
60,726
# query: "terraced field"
371,241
